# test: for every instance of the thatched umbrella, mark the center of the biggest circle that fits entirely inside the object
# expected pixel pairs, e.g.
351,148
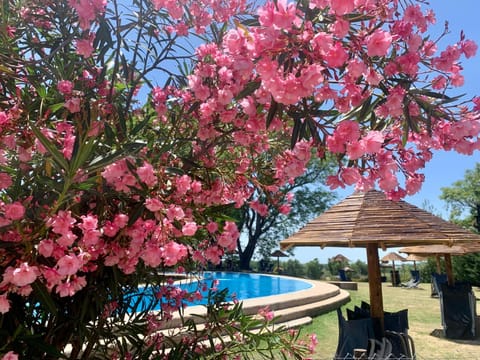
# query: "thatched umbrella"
371,221
393,256
415,258
340,258
445,251
278,254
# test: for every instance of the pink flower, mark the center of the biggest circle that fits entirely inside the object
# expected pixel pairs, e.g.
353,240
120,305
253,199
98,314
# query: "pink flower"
14,211
175,213
62,222
183,184
70,287
350,175
355,150
378,43
152,255
4,304
24,274
45,247
147,174
73,104
212,227
10,356
67,239
85,47
89,222
333,182
336,56
373,141
190,228
5,180
154,204
281,15
266,313
65,87
261,209
342,7
68,265
388,181
173,253
469,48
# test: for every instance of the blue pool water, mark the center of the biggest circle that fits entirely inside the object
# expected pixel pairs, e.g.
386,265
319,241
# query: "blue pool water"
245,286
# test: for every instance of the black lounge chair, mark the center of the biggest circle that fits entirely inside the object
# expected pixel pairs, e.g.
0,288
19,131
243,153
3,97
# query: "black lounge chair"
458,309
414,281
353,334
437,280
343,275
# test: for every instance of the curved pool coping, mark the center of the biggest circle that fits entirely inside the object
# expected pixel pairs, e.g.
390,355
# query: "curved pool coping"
320,298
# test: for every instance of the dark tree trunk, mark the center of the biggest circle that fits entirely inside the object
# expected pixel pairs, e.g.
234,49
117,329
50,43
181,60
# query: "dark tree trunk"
246,255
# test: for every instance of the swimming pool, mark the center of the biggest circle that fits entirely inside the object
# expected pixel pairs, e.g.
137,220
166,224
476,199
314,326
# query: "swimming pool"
242,286
248,285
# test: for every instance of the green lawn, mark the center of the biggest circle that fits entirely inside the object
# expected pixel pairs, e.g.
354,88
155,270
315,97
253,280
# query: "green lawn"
424,319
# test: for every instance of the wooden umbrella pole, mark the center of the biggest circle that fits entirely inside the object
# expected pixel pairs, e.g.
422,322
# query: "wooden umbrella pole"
375,284
449,269
439,267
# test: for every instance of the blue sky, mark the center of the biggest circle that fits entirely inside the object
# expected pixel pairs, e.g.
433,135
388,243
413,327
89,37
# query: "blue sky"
445,167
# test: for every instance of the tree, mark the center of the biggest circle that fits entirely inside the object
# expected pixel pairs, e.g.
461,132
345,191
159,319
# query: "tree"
115,171
314,270
463,199
302,199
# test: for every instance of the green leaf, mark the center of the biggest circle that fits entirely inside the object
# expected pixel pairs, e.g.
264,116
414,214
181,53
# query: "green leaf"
55,107
102,161
44,296
248,90
80,156
51,148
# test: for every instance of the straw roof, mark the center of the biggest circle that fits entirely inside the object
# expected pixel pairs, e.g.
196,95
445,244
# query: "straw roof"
431,250
364,218
416,257
393,256
340,258
278,253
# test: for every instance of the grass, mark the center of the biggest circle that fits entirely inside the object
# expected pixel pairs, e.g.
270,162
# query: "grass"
424,318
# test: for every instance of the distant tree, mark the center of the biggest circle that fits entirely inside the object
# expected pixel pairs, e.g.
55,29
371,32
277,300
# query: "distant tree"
293,267
314,270
360,268
463,200
334,266
307,197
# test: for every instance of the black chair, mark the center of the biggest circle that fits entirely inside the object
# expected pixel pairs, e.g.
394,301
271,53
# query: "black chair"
343,275
437,280
415,275
458,309
402,345
353,334
395,276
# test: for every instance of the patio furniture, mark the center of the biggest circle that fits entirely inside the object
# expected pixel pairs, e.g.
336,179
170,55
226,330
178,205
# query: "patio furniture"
352,334
361,330
402,345
458,309
343,275
437,280
395,276
414,280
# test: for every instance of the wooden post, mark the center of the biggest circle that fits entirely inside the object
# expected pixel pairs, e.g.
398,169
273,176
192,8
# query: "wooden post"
449,269
375,284
439,266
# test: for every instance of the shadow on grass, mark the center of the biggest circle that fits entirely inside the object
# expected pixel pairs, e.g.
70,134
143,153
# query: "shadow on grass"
439,333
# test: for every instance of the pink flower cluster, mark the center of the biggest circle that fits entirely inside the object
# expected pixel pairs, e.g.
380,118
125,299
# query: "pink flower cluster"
151,191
